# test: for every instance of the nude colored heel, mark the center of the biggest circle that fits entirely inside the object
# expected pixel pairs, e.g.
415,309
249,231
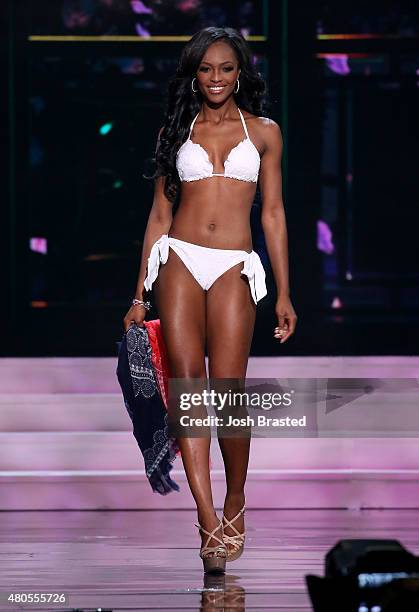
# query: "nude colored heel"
236,540
216,563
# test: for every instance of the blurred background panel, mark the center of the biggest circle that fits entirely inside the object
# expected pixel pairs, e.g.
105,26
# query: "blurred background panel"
375,17
370,182
144,18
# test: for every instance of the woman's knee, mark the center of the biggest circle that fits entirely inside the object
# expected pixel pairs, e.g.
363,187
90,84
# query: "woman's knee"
187,370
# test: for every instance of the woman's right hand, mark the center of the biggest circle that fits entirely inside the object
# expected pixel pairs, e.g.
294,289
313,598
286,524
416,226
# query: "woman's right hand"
136,314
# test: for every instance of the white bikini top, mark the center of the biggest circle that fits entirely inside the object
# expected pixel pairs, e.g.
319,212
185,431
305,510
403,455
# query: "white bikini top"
242,163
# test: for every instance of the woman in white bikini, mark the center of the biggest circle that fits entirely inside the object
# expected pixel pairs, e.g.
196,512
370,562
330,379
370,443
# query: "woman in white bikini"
212,150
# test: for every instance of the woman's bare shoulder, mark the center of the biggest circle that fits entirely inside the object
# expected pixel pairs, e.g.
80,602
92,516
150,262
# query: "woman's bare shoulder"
264,129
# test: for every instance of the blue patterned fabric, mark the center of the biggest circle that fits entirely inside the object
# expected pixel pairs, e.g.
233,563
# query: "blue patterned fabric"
146,408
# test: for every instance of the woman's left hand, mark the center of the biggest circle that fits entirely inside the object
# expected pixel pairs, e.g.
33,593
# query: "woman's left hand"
287,319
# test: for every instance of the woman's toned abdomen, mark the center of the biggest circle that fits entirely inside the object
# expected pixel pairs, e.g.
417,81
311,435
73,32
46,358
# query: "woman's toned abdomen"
216,216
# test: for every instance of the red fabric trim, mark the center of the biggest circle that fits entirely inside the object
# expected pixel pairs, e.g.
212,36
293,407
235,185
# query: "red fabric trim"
159,357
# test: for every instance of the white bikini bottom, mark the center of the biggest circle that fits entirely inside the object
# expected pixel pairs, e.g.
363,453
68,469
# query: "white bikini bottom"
207,264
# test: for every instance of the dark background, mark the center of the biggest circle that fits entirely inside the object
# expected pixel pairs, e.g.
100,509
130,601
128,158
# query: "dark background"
347,107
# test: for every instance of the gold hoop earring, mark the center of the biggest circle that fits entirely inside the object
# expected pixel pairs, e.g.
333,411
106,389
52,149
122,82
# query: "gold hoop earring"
194,90
238,87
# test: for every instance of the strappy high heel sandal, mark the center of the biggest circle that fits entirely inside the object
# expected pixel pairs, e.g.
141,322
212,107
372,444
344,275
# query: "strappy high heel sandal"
237,541
215,563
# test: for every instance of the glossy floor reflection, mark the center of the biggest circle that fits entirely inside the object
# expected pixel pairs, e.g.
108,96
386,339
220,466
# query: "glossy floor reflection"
148,560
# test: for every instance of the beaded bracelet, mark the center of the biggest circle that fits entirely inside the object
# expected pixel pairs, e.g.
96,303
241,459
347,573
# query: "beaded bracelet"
147,305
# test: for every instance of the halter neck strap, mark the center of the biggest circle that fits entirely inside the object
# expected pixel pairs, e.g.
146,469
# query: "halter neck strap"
241,117
243,122
193,123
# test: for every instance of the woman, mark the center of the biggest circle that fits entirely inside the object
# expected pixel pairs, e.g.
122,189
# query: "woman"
212,149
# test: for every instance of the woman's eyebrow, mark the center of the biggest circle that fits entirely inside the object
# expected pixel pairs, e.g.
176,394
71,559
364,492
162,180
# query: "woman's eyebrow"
221,63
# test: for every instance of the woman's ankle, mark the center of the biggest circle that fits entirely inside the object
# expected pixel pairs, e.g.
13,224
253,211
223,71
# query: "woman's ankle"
236,496
207,517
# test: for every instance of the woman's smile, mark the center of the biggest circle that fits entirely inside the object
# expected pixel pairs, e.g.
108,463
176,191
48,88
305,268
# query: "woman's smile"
216,89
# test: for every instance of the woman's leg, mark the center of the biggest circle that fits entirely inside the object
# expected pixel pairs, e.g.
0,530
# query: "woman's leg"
180,301
231,314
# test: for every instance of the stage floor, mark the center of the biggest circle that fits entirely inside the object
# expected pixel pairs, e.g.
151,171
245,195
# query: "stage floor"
148,560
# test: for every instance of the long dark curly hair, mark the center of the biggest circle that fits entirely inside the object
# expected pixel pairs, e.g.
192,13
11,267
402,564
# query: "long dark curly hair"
183,104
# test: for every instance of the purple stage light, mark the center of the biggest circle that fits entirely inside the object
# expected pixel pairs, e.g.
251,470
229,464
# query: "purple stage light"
188,5
141,30
339,65
336,303
38,245
324,238
140,8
